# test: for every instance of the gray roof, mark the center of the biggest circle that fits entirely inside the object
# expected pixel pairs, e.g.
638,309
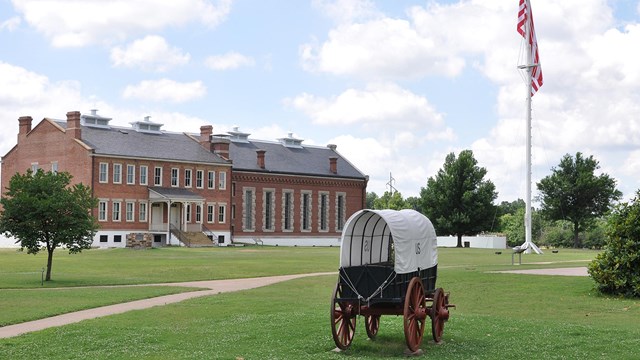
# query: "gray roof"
306,160
128,142
175,193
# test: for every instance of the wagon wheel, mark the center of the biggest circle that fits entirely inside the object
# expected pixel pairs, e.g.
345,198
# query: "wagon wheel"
372,324
343,320
415,313
439,314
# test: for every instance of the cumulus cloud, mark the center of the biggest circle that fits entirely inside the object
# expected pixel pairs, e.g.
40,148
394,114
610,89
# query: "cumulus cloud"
149,53
71,23
165,90
377,104
10,24
229,61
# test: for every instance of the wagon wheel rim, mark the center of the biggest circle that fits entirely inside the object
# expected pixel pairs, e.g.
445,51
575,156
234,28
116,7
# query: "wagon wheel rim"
343,320
415,310
372,325
439,314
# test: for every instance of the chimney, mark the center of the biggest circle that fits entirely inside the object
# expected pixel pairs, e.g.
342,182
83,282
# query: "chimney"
260,154
205,136
73,124
220,146
333,164
332,147
24,126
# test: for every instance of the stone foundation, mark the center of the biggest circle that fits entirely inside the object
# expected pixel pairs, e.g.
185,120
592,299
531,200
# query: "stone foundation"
139,240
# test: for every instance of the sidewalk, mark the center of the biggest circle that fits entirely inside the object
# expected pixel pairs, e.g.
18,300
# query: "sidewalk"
214,286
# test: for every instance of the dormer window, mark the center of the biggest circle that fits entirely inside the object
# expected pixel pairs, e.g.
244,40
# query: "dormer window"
291,142
95,120
237,136
147,126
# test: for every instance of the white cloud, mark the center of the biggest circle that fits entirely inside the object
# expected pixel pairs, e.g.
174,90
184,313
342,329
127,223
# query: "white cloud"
165,90
69,23
378,104
229,61
150,53
344,11
10,24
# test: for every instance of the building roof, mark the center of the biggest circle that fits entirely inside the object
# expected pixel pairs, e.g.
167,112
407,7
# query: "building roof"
127,142
302,160
173,193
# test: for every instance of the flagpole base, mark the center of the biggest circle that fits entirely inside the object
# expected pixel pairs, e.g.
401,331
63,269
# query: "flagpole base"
529,246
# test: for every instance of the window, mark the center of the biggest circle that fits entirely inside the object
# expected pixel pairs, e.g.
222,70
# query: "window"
287,210
187,178
157,176
144,170
104,238
103,176
102,211
129,211
198,214
174,177
210,213
305,211
199,179
248,209
142,213
268,210
34,167
222,180
117,173
116,211
131,174
188,210
324,211
117,238
340,211
54,167
222,213
211,180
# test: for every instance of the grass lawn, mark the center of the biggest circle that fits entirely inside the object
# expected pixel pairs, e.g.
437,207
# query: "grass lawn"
499,316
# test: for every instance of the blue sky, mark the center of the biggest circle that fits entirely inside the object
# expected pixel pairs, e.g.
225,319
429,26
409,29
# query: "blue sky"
397,85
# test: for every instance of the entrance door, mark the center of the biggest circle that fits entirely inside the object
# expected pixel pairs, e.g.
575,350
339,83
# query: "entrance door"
176,215
156,216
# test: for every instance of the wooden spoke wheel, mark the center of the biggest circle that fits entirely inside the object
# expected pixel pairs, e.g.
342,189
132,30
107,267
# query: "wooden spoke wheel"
415,313
343,320
372,324
439,314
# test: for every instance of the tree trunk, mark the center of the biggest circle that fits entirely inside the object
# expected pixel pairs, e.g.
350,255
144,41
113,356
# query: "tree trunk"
459,241
49,262
576,238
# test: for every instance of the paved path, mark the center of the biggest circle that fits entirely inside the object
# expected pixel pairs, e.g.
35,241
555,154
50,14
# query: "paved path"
214,286
571,271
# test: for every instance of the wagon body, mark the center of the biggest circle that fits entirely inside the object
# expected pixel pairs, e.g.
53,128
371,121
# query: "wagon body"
388,266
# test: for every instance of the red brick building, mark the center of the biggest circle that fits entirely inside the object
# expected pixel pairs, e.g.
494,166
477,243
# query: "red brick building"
174,186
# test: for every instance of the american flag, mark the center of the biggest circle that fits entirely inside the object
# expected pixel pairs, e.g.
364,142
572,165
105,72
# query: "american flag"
525,19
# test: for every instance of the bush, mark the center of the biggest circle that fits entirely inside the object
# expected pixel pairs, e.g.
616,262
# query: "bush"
616,270
557,234
595,238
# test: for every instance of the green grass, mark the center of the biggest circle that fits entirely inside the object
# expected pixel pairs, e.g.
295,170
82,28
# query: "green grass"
499,316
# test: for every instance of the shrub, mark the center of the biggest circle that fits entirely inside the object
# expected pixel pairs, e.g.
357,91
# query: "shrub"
616,270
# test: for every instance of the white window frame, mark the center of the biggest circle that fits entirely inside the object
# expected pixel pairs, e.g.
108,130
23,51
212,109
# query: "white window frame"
187,210
131,174
222,213
341,211
248,209
130,210
117,173
116,213
211,216
198,213
268,210
222,180
103,173
142,211
54,167
188,177
144,174
175,177
288,210
323,211
200,179
157,178
211,179
103,207
34,167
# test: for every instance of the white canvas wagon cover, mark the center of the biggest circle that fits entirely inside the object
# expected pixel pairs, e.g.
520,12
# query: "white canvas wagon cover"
368,234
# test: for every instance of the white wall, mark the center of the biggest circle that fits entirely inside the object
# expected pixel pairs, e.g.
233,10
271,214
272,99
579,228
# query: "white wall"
291,241
478,242
6,242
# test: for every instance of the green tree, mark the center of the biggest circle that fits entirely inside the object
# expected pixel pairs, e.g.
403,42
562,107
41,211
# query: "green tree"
574,193
390,201
371,200
512,225
44,209
506,207
458,200
616,270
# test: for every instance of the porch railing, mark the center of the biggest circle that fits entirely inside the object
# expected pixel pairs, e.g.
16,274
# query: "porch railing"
180,235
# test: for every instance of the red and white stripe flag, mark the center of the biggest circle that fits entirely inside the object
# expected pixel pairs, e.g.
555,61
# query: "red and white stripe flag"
525,19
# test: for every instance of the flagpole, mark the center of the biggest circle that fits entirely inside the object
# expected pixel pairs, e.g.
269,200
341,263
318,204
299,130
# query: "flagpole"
530,65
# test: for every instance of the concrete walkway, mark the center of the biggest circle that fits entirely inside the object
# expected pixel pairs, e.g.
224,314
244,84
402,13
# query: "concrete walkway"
214,286
570,271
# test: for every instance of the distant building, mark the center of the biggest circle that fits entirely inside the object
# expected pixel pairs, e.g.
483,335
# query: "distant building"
166,188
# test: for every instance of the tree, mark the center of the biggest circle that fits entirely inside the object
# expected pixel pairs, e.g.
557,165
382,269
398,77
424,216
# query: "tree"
44,209
458,200
574,193
616,270
371,199
506,207
512,225
390,201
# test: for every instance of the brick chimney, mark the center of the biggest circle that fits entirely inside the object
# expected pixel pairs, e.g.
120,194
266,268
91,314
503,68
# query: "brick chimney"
24,126
333,164
220,146
205,137
260,154
73,124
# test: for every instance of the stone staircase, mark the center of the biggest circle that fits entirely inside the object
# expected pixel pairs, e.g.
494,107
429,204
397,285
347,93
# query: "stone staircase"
197,239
